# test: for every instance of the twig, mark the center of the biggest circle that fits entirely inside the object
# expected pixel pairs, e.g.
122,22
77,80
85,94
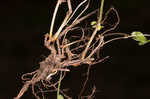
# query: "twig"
85,82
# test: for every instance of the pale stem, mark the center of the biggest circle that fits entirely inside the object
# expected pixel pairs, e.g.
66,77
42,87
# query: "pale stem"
99,45
61,27
89,43
115,34
72,43
82,11
64,22
95,31
53,19
68,17
76,9
68,28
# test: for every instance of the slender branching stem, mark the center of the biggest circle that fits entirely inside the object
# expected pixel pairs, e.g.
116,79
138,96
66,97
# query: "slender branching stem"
89,43
95,31
76,10
64,23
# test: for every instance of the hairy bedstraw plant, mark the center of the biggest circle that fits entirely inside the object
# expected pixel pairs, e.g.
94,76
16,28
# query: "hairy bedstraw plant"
70,49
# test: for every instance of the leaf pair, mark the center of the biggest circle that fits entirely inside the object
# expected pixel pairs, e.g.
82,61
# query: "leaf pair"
94,24
139,36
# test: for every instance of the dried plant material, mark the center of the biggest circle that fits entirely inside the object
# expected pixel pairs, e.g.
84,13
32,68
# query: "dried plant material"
60,56
69,49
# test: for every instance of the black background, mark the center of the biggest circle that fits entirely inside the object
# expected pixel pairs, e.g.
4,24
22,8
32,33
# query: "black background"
125,75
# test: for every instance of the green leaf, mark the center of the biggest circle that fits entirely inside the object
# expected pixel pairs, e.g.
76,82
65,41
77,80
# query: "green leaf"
99,27
93,23
60,96
139,36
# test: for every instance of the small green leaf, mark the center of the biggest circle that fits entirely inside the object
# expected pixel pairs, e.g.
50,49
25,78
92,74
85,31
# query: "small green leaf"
139,36
60,96
93,23
99,27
